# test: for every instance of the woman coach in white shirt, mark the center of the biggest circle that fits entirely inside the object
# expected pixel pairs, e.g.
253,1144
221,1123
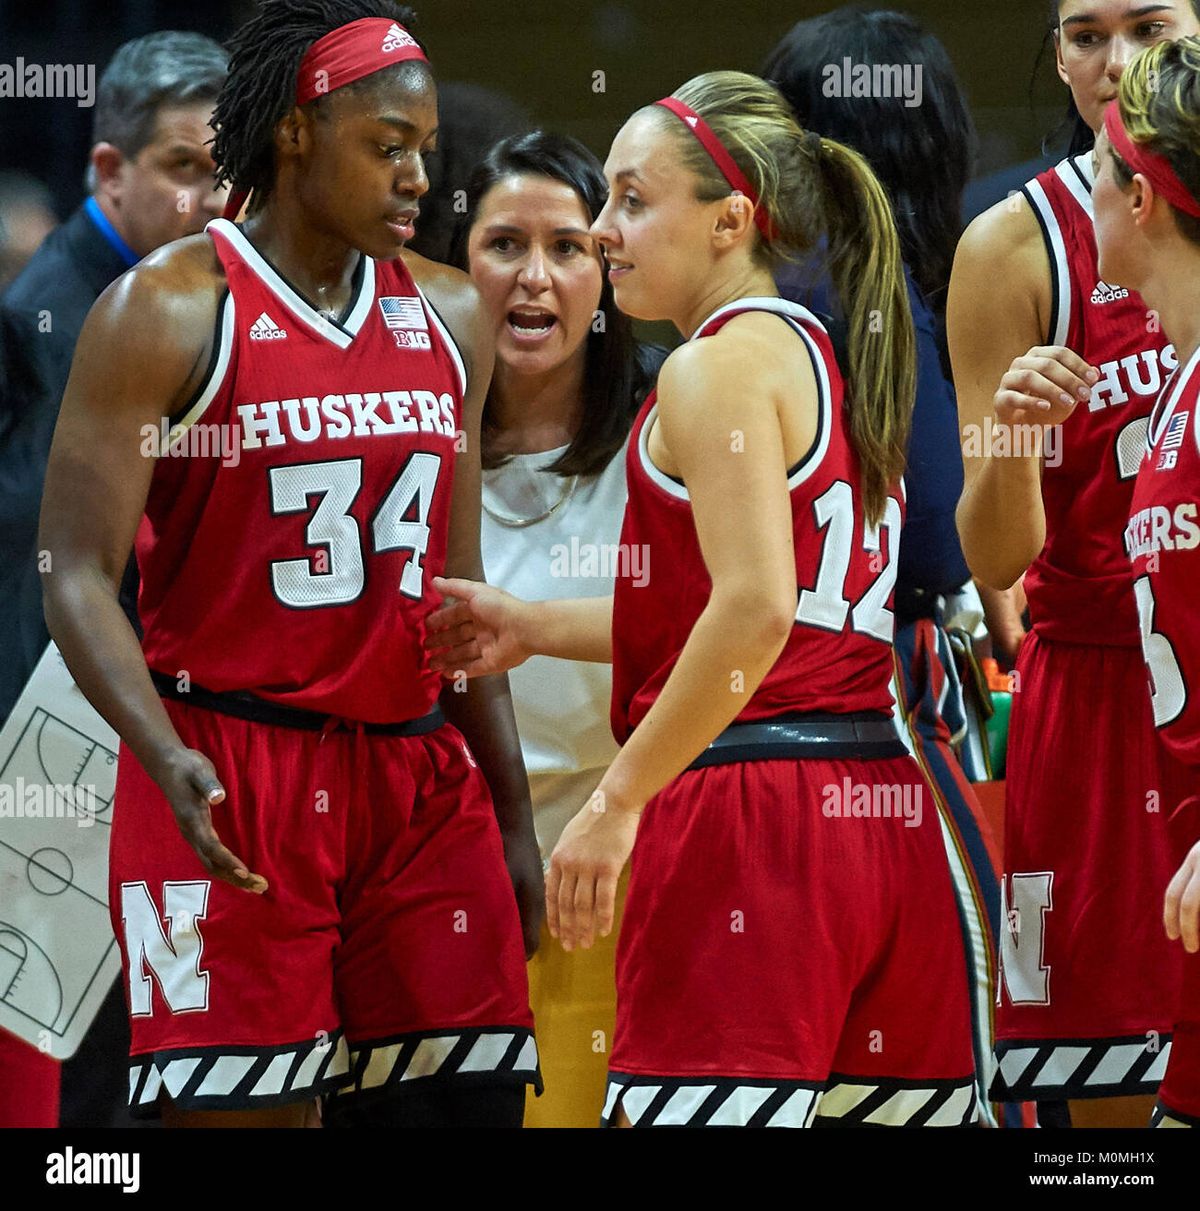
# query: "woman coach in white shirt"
568,381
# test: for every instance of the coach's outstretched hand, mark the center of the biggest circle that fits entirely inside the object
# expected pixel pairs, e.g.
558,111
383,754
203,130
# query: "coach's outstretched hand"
478,633
192,788
581,888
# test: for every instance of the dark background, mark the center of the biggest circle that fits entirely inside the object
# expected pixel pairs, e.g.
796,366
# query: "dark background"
543,54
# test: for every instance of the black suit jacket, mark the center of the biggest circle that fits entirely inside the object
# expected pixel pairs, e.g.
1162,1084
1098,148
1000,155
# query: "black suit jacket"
41,315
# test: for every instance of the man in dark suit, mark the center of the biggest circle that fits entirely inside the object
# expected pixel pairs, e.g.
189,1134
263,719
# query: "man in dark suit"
150,181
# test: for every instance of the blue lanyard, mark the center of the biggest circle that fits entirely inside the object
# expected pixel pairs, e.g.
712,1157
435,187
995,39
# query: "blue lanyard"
110,233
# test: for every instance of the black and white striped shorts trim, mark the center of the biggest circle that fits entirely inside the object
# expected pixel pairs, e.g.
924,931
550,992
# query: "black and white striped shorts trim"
238,1078
482,1056
1164,1116
1059,1069
843,1101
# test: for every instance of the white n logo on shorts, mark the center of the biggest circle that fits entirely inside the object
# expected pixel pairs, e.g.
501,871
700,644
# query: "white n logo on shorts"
1023,937
174,963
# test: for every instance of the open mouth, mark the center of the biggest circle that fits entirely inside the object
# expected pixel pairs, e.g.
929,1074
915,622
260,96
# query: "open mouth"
531,325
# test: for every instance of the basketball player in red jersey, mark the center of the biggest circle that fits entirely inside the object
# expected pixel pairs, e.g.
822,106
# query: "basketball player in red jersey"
307,874
1147,199
774,967
1085,1006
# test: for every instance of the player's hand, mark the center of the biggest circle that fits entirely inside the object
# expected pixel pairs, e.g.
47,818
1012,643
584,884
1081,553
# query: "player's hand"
1181,908
192,788
1006,643
581,892
524,862
478,632
1043,387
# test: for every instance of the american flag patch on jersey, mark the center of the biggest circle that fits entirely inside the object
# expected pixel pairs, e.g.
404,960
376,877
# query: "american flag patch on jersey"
403,313
1175,432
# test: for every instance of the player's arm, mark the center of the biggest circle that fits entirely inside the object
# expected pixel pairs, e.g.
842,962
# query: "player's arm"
997,317
143,348
482,708
743,520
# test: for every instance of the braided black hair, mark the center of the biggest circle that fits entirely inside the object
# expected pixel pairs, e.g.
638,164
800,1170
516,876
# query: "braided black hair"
260,89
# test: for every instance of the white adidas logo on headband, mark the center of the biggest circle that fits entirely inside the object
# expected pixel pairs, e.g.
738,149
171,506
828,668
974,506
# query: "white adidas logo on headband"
397,39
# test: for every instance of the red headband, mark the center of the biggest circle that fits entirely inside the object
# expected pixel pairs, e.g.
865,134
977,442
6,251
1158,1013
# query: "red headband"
722,159
352,51
1155,168
342,56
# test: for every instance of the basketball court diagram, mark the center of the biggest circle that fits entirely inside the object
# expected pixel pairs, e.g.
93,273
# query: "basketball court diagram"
58,956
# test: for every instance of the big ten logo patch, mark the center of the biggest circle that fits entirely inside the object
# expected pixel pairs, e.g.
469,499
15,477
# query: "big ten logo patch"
405,319
412,340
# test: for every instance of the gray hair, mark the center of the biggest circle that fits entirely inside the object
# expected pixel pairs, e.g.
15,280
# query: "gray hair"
171,67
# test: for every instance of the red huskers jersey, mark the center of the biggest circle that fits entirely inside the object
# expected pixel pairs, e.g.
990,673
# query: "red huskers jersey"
1163,541
838,657
1078,587
294,524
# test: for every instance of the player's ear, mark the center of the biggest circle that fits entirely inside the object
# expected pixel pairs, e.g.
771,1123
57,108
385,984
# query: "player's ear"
1059,65
1141,199
293,132
734,217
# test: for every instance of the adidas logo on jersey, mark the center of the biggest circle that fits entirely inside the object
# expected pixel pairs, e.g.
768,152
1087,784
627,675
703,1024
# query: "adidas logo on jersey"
1104,293
265,329
396,39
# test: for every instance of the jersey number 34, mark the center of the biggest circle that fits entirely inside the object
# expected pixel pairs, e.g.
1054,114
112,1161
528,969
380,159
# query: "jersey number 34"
400,523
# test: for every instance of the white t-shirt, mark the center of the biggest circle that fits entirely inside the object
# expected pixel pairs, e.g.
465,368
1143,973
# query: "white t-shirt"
562,706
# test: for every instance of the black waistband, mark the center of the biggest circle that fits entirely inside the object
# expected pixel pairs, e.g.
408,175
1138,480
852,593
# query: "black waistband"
911,604
257,710
863,736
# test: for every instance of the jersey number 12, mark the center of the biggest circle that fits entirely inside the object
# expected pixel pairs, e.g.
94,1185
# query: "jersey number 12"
825,604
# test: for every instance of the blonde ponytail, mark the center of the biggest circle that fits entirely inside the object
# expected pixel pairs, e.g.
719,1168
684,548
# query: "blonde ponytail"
868,273
811,186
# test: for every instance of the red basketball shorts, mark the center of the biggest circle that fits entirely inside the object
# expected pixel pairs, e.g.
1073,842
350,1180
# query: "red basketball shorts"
791,953
1089,983
386,951
1179,1095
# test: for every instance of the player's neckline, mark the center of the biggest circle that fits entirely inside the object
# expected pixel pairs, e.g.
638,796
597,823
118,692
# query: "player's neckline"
340,332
